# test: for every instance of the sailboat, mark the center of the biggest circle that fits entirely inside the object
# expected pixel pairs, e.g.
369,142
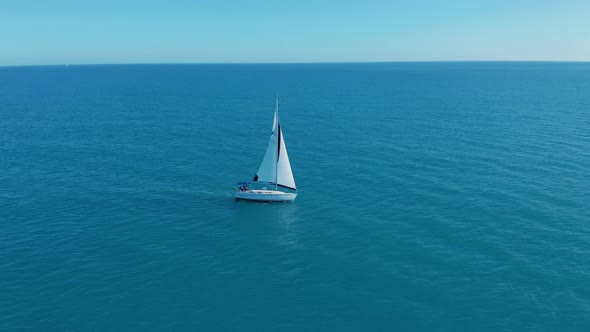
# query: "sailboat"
274,172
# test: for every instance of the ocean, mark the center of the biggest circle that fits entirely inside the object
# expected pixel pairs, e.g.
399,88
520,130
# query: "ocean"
432,197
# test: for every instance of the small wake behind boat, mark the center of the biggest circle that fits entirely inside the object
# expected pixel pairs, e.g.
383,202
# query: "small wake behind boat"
274,177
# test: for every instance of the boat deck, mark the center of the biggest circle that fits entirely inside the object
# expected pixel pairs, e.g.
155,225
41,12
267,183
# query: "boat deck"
265,195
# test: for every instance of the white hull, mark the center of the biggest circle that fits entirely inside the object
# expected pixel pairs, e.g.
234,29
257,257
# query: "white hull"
265,195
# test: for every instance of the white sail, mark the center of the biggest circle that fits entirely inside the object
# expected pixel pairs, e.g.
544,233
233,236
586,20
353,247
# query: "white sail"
275,167
268,168
284,173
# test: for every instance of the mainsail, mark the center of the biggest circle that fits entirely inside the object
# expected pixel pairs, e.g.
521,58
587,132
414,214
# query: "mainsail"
275,167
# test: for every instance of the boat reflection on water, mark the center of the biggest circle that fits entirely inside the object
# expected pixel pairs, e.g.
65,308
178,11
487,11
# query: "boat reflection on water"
277,220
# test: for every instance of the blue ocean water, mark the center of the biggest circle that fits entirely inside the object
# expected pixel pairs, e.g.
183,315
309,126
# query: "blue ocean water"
433,196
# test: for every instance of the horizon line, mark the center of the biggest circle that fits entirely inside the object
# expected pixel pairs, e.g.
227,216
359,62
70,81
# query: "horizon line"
288,63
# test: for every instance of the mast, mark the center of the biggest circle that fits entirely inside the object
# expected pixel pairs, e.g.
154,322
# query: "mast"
278,144
275,165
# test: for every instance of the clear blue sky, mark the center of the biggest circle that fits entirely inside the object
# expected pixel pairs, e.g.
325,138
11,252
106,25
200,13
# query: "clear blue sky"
160,31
